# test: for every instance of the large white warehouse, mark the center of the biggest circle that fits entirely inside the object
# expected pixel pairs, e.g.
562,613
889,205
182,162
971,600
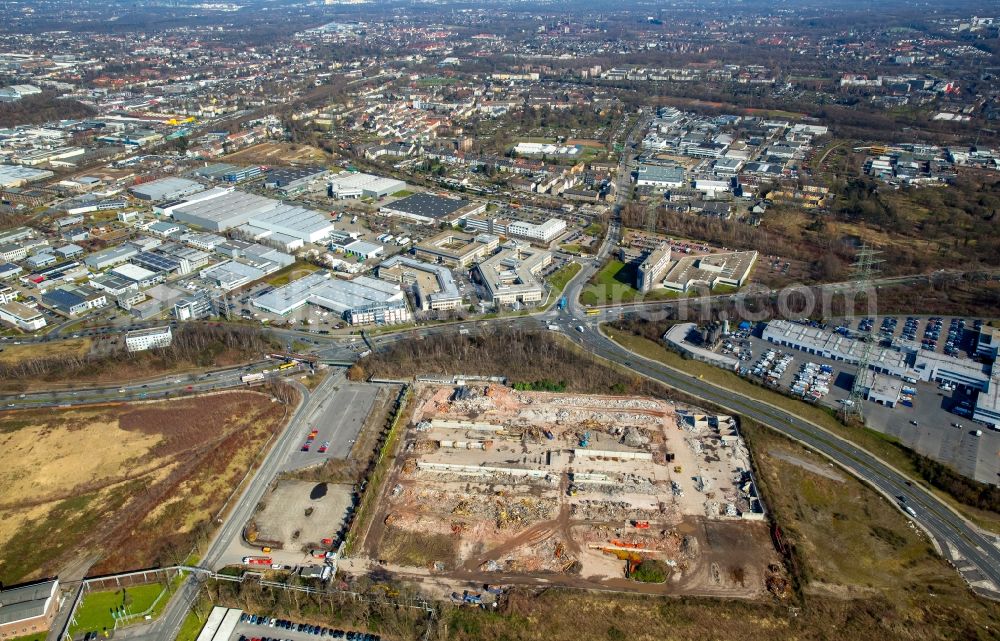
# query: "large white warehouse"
224,209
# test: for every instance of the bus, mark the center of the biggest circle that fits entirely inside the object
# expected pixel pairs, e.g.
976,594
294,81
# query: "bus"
287,365
593,312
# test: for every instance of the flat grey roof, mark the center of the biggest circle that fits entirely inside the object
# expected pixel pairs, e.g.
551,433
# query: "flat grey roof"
166,188
332,293
428,205
446,280
226,210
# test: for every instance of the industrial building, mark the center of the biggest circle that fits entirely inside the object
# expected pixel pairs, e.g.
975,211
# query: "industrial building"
21,316
139,340
17,176
456,249
166,189
361,301
113,284
361,249
349,185
511,275
433,286
660,176
432,210
231,274
907,364
881,388
225,209
74,299
28,609
141,276
837,347
110,257
293,179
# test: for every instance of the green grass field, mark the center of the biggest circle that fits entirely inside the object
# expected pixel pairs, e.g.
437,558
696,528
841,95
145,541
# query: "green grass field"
191,628
295,271
95,612
563,275
613,285
402,193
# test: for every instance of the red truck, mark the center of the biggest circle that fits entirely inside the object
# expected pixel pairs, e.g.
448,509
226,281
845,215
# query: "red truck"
256,560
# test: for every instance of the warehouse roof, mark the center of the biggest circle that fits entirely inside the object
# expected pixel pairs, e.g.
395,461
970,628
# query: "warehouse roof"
333,294
348,181
14,175
428,205
227,209
281,176
166,189
26,601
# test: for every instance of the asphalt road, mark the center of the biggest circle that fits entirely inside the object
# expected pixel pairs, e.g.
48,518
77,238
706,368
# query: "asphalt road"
975,555
161,387
339,416
166,627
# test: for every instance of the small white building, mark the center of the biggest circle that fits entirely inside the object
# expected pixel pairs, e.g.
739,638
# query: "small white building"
140,340
22,316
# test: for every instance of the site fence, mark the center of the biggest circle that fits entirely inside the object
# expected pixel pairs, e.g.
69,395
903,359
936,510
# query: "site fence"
378,469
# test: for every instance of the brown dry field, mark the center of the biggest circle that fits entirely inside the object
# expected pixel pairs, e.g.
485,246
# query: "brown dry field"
277,153
10,353
124,486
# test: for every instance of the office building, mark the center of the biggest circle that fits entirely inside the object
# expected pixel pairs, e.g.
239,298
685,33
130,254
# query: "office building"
730,269
433,286
649,274
456,249
545,232
21,316
139,340
511,276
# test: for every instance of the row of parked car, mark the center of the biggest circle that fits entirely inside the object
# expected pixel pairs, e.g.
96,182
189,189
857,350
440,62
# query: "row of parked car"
307,628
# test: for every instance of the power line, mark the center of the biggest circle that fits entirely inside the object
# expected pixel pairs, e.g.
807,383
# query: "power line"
864,267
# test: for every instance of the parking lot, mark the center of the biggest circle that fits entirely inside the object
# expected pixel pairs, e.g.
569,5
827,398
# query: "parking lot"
337,421
930,426
259,628
945,335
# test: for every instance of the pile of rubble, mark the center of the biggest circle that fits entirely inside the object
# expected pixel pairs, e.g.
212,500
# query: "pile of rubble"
595,510
549,554
611,402
505,511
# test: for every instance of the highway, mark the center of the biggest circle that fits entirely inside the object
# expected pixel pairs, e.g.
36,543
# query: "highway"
154,388
974,554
